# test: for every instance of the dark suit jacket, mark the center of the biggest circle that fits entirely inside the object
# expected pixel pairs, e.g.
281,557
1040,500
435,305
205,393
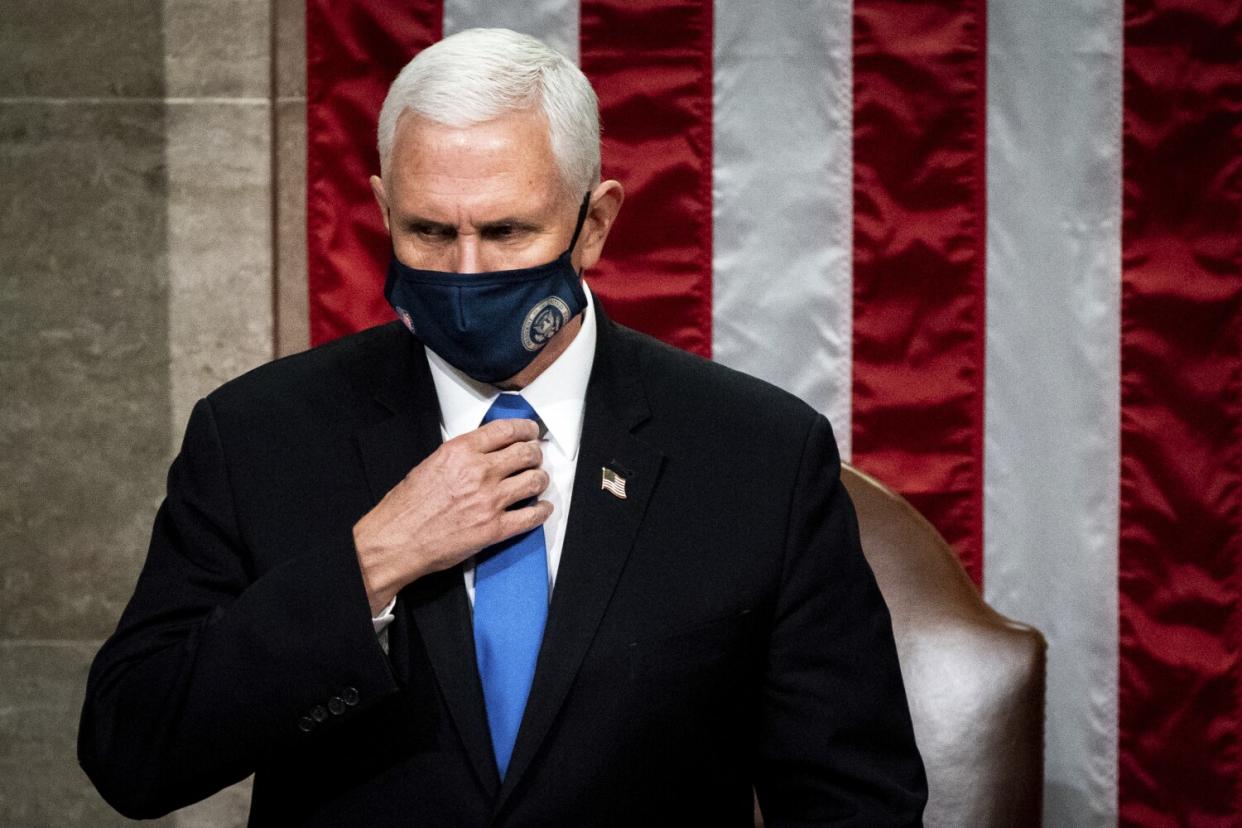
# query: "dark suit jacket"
717,628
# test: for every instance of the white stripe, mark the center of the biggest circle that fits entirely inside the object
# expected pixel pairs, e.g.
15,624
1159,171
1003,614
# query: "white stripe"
1053,356
782,300
555,22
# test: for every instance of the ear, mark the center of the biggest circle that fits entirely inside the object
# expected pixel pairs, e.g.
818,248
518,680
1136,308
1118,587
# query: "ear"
606,201
381,198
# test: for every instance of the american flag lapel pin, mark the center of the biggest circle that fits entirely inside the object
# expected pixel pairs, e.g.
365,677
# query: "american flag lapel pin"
612,483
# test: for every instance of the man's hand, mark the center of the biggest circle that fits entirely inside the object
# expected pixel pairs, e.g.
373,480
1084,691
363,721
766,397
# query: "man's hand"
452,505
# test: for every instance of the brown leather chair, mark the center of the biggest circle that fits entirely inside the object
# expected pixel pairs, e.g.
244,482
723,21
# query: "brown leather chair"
974,678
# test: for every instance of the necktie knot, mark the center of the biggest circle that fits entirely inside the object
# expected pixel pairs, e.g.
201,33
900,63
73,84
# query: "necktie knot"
510,407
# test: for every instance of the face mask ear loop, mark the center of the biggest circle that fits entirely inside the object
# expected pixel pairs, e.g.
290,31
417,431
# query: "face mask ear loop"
582,214
575,285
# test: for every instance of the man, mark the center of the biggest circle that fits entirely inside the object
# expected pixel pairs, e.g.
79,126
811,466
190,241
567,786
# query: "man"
633,595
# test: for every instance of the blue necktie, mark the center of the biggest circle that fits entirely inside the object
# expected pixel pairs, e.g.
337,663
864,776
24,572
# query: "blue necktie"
510,608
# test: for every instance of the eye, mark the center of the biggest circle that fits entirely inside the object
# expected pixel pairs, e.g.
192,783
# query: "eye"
500,232
433,232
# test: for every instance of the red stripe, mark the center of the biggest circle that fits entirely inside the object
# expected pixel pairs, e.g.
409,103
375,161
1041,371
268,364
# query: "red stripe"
651,64
353,52
919,252
1181,426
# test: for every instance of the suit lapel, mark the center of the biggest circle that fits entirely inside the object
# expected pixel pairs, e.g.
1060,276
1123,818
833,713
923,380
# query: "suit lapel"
406,427
435,608
598,538
441,611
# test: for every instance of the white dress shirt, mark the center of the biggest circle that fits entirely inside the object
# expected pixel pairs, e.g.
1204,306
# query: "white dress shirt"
558,396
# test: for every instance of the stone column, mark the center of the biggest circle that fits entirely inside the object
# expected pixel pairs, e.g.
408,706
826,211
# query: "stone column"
149,149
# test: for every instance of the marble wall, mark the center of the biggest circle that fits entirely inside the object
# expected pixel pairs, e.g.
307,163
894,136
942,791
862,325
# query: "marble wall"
152,245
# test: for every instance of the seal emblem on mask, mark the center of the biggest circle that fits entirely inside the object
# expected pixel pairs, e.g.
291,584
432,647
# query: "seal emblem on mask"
543,321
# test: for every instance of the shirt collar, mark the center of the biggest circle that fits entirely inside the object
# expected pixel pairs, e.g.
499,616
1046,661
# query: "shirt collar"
558,395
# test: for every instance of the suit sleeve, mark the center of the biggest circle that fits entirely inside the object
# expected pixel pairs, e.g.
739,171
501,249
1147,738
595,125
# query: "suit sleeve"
213,668
836,746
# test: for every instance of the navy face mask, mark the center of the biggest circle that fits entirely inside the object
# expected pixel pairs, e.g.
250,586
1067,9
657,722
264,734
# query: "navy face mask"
488,325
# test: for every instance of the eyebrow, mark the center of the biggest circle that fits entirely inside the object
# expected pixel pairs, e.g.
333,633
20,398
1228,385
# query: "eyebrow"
515,223
415,222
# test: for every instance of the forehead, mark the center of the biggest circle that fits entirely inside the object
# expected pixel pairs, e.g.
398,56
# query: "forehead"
501,158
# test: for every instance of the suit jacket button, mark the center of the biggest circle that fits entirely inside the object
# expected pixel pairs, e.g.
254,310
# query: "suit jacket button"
306,724
336,706
350,696
318,713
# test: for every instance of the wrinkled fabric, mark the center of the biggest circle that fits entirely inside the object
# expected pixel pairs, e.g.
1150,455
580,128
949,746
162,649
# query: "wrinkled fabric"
782,295
1052,407
555,22
353,51
651,65
910,350
1181,427
919,258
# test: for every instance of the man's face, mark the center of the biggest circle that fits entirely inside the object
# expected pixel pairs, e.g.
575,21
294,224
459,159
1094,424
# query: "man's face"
478,198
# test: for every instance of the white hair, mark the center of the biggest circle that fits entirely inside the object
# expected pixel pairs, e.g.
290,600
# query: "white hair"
481,74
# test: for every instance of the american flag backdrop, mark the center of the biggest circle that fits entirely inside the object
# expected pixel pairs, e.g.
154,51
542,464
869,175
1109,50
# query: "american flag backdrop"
998,243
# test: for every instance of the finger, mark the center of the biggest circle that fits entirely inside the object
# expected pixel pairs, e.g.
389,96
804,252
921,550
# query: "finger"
522,486
516,457
522,520
500,433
